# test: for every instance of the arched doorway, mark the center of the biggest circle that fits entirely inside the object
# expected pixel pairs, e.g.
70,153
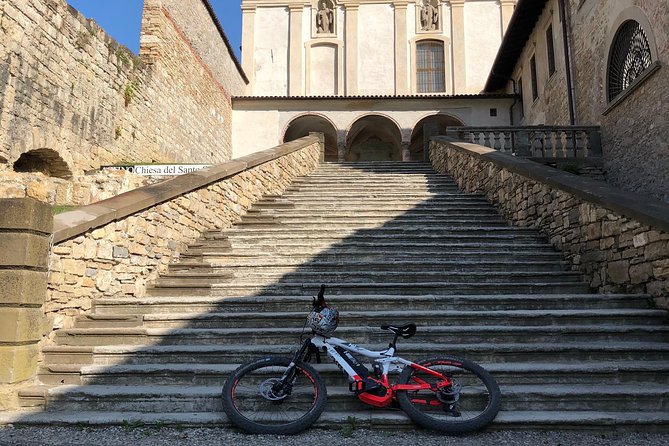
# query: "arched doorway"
425,129
306,124
46,161
374,138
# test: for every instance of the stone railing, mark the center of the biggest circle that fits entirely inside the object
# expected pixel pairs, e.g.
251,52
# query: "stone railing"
552,142
114,247
618,240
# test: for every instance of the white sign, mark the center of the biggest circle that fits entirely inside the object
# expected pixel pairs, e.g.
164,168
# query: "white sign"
159,170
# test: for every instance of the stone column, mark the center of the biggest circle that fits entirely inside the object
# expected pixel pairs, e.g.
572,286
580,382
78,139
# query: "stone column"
406,154
341,151
248,45
401,42
351,49
296,71
459,59
25,231
507,7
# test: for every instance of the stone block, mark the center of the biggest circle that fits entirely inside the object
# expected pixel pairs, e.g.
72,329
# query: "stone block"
18,363
24,249
641,273
25,213
22,287
619,272
21,324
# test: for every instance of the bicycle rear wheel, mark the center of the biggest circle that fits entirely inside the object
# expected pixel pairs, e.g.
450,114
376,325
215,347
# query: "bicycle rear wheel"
468,404
256,401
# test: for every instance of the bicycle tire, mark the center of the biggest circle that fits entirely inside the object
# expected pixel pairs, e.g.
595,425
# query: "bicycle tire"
477,403
247,407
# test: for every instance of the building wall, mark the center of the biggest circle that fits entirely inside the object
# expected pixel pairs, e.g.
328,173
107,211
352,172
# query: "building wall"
635,133
371,49
66,86
277,114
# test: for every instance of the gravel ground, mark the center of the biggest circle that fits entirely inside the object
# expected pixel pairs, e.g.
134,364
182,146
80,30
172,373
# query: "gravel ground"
156,436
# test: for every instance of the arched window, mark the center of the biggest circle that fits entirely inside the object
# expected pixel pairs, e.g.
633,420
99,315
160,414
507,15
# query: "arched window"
630,56
430,71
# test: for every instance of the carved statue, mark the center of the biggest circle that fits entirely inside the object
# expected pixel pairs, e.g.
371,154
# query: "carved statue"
324,18
429,16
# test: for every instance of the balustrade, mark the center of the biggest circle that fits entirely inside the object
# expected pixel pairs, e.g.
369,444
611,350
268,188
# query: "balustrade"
535,141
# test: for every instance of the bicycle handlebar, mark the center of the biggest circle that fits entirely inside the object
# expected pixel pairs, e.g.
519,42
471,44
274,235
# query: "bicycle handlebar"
319,301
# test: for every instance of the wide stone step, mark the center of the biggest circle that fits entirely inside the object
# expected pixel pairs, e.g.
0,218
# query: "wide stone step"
536,373
175,330
650,397
365,223
401,288
364,214
260,277
573,352
295,303
286,265
384,232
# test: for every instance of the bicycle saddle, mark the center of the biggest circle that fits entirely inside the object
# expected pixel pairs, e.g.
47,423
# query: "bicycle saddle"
406,330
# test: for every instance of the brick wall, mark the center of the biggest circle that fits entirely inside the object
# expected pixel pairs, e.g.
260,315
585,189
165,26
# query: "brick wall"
619,241
66,86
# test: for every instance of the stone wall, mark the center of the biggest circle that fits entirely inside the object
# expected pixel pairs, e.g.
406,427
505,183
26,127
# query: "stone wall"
618,240
66,86
115,247
86,189
635,133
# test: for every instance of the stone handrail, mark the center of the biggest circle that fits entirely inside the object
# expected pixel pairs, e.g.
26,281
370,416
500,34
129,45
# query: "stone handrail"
618,240
561,142
116,246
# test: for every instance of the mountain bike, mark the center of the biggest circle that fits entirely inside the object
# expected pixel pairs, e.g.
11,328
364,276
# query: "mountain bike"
283,395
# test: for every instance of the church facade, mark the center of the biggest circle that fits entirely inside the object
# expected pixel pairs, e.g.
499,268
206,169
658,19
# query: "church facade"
359,63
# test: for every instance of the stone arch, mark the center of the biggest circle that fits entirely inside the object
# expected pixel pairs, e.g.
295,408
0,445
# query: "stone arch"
427,127
46,161
374,137
311,122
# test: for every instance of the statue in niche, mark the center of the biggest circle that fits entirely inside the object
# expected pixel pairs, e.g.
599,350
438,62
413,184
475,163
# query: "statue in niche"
325,18
429,16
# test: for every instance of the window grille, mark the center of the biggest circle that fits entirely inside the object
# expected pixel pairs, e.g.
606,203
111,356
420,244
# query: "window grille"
550,47
535,82
430,68
630,56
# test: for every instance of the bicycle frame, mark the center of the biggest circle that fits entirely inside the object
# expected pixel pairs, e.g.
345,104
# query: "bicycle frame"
386,360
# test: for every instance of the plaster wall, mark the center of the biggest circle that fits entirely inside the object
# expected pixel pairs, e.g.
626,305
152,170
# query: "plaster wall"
261,124
376,51
271,61
483,35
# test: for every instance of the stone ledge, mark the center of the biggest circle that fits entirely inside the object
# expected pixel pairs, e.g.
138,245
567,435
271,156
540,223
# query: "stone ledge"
648,211
25,214
74,223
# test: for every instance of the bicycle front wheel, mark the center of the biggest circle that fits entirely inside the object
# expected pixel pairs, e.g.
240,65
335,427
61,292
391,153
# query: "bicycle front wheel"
469,401
256,399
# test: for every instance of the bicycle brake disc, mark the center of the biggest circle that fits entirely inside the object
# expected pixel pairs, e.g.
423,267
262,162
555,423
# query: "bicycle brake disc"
268,390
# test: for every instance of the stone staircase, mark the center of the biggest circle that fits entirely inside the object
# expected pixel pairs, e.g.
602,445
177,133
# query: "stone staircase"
394,242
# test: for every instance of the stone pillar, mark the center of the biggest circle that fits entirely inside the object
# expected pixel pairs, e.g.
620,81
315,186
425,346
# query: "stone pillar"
25,231
248,46
459,59
507,7
406,153
351,49
401,42
296,71
341,151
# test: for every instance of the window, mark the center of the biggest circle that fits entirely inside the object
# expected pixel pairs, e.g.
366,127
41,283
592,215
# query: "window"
430,75
533,72
551,50
630,56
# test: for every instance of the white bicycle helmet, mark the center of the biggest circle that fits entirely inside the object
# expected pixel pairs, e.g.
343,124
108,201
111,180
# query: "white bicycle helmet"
323,321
